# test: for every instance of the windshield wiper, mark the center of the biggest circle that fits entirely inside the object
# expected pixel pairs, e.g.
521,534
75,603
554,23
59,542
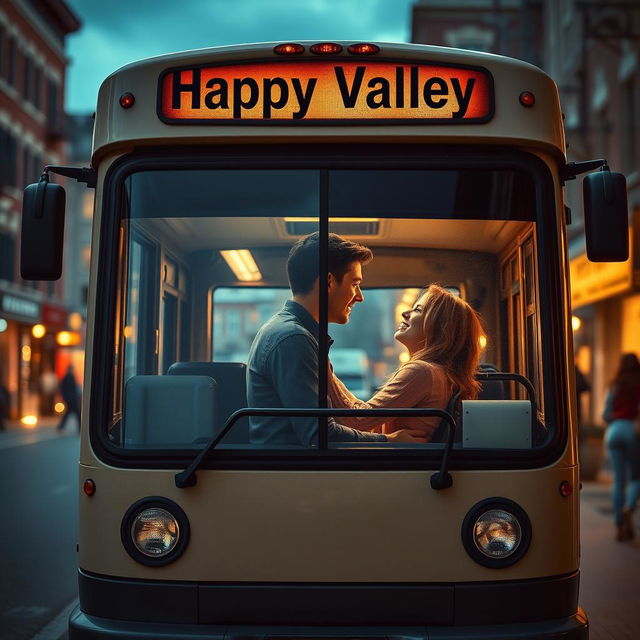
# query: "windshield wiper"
187,478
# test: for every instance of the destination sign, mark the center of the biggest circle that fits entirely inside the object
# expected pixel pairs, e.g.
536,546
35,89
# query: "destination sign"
325,91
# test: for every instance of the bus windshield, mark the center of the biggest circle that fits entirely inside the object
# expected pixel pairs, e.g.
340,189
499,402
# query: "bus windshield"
203,266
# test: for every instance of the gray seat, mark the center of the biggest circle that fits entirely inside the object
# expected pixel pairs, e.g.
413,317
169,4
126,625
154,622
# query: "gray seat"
231,384
496,424
168,412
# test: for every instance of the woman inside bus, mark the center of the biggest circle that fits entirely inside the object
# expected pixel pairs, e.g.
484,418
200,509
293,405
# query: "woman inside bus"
442,334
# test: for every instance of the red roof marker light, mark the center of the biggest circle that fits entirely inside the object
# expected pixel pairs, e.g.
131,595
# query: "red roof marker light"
89,487
288,49
127,100
527,99
325,48
363,49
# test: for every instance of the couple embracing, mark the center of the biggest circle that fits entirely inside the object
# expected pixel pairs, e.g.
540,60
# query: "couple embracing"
441,333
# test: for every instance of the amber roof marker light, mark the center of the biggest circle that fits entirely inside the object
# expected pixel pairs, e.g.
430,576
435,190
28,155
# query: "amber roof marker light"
325,48
363,49
527,99
288,49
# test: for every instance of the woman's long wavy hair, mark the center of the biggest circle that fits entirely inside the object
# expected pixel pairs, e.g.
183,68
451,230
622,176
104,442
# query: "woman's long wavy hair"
628,374
452,332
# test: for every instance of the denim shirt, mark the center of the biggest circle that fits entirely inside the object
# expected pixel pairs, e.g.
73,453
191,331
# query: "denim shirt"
282,371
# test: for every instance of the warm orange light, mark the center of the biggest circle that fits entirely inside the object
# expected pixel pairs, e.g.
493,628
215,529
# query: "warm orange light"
38,330
75,321
59,407
68,338
29,421
127,332
242,264
26,353
576,323
482,341
404,357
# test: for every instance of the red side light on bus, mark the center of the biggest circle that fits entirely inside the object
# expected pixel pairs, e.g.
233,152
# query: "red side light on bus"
127,100
363,49
89,487
325,48
288,49
527,99
565,488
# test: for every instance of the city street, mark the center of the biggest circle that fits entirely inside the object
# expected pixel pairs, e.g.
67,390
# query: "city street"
38,580
38,474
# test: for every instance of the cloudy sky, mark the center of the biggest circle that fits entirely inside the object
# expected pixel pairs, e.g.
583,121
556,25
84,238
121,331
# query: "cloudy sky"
116,32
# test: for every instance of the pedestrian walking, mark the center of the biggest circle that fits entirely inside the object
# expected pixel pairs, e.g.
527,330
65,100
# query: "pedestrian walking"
70,392
623,442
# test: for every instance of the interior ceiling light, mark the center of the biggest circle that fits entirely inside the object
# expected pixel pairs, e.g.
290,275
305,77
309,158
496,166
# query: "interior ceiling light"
242,264
333,219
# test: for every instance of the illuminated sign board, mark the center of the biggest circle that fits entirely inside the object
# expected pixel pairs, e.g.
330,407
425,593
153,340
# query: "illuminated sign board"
289,92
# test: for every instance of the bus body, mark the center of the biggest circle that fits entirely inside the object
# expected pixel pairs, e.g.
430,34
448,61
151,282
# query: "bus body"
449,165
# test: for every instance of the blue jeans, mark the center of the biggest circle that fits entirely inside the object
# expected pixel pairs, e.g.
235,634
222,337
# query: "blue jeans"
624,452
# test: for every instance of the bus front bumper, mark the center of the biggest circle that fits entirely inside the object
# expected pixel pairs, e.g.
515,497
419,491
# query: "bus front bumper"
86,627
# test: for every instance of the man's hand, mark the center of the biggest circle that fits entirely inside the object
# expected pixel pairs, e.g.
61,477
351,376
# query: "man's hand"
406,435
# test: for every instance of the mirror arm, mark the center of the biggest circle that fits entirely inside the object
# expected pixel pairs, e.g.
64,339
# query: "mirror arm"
573,169
79,174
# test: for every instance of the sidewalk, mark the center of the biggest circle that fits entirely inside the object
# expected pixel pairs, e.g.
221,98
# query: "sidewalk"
16,434
610,570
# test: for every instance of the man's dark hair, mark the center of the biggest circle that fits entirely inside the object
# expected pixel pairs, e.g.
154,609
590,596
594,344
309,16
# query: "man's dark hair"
302,264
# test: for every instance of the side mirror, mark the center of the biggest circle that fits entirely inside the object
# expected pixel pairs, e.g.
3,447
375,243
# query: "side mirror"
606,221
42,231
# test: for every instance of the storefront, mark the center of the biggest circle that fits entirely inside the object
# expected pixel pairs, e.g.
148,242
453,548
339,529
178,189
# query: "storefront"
18,315
605,299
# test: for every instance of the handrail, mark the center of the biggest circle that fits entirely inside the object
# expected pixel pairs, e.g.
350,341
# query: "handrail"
187,478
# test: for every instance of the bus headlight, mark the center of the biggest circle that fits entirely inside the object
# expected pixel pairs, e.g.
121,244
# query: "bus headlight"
155,531
496,532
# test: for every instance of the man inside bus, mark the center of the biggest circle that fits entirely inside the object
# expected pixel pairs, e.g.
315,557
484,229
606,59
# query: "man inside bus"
282,369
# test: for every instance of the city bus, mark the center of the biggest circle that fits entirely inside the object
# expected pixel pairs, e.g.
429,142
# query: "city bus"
207,167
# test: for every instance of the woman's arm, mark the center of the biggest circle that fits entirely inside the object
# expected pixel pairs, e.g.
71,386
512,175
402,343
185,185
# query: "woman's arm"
409,386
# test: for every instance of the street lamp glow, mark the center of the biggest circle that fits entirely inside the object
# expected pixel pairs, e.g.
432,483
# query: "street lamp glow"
38,330
3,325
576,323
29,421
59,407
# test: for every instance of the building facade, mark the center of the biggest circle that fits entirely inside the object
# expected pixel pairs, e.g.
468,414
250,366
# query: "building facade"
32,134
591,49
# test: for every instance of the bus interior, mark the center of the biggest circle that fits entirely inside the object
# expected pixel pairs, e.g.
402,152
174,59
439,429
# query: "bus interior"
204,266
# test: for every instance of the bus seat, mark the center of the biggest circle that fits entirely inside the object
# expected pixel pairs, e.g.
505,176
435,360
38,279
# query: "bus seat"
496,424
231,380
167,411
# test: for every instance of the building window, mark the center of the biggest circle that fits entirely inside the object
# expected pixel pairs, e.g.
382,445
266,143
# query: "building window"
8,159
26,167
37,88
7,257
52,104
11,62
28,71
